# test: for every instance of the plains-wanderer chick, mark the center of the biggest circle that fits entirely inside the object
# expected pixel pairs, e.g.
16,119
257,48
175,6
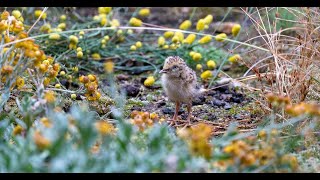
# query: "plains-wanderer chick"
179,83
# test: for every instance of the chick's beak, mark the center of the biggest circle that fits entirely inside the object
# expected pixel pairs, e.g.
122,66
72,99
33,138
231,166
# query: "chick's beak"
163,71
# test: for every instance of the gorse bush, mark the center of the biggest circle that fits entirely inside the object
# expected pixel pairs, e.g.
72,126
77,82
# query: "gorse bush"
62,110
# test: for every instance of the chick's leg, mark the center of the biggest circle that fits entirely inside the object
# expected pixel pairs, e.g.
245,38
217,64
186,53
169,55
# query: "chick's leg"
175,116
189,109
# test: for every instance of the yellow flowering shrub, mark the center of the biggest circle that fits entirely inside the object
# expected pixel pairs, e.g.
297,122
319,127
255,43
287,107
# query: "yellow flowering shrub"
235,58
161,41
235,29
144,12
196,56
135,22
211,64
200,25
185,25
149,81
168,34
206,75
190,39
221,37
206,39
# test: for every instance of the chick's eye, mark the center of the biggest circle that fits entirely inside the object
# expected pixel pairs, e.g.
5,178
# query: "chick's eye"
174,67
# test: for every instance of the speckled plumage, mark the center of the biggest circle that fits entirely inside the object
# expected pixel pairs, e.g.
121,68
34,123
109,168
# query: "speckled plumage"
179,82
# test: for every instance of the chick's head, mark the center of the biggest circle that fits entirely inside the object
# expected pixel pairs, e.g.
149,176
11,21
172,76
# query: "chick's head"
173,66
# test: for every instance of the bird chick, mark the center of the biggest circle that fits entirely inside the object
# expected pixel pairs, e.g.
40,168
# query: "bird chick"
179,83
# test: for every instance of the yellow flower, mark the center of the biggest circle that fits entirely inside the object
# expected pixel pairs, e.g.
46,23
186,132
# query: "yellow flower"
104,21
166,46
62,73
206,74
62,26
196,56
115,23
199,67
104,10
57,86
7,69
235,58
175,39
168,34
20,82
40,141
63,17
46,81
205,39
133,48
108,66
149,81
154,115
235,29
200,25
46,122
49,96
185,25
161,41
96,56
37,13
5,15
103,42
208,19
79,49
73,96
211,64
135,22
180,35
104,128
144,12
138,44
81,33
79,54
173,46
221,37
106,38
190,39
73,39
17,130
290,160
16,14
54,36
72,46
130,31
191,53
45,28
119,32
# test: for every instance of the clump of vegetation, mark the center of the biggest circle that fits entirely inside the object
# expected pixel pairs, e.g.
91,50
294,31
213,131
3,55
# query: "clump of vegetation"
82,93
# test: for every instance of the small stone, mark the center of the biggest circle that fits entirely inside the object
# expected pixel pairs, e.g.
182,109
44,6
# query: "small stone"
199,101
131,90
122,77
227,106
171,111
225,97
235,99
217,102
238,117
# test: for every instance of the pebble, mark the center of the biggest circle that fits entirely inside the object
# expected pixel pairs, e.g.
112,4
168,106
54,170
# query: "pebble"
227,106
170,111
235,99
131,90
217,102
238,117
